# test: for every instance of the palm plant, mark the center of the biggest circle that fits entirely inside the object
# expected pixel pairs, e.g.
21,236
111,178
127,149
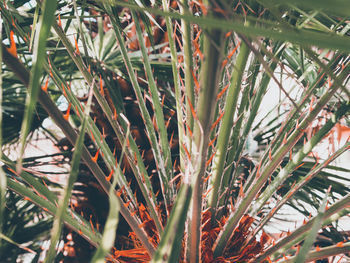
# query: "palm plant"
162,102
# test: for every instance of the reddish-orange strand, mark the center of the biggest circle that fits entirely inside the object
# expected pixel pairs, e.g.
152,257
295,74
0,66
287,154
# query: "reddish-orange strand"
221,93
192,109
258,171
94,159
230,55
285,139
299,166
115,114
92,226
217,121
44,88
340,244
212,141
187,153
76,46
101,87
196,83
210,159
92,136
66,116
110,175
59,21
189,129
12,49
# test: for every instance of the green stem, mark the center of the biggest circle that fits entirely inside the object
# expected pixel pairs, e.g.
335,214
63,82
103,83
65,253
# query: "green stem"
31,180
181,131
238,138
255,105
165,148
101,144
209,78
188,66
235,138
226,126
39,53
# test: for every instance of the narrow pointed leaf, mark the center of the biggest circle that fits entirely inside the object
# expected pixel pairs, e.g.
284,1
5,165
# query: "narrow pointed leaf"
39,51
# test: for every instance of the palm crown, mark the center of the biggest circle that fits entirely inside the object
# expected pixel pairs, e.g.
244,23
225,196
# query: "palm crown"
161,106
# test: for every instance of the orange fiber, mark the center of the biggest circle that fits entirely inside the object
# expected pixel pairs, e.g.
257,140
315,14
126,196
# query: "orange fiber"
44,88
59,21
101,87
110,175
66,116
12,49
94,159
76,46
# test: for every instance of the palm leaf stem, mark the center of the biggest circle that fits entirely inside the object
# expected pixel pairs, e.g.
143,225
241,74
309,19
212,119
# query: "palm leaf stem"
307,49
316,59
82,35
209,80
109,232
238,137
255,105
235,138
218,181
293,116
339,7
188,66
101,144
42,33
177,88
163,136
267,68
